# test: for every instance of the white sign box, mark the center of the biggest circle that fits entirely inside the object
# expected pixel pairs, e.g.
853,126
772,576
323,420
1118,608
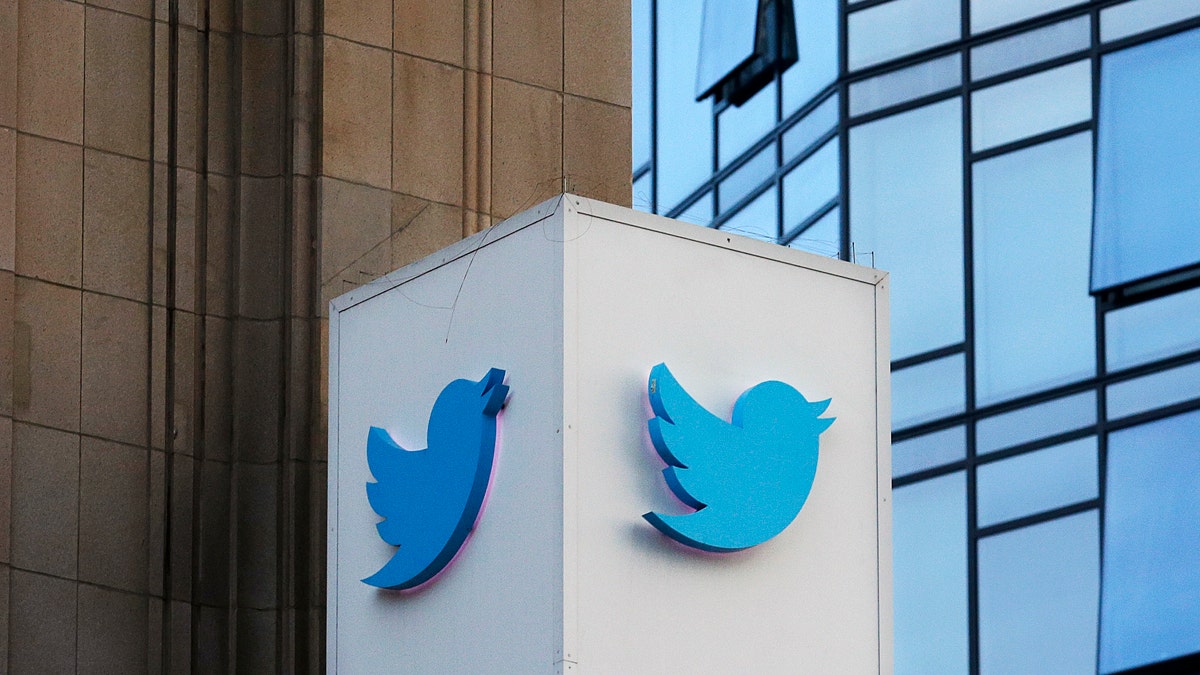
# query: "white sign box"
577,301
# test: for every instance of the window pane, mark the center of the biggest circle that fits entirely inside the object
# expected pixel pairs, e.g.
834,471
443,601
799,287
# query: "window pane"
1036,421
1153,391
1152,330
700,212
685,126
1031,105
823,237
900,27
758,220
749,176
801,135
810,185
816,41
726,39
641,192
989,14
906,207
1148,161
906,84
1036,481
929,561
641,82
742,127
1151,594
1141,15
1034,320
1030,47
1038,597
929,391
928,451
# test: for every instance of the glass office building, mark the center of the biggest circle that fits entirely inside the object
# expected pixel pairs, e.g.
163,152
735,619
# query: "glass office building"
1029,173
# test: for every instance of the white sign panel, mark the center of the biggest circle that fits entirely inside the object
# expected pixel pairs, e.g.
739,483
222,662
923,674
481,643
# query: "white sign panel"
690,471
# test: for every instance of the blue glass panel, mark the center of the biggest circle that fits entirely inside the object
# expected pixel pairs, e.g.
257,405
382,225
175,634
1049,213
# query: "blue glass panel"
929,562
906,207
1035,323
759,220
1036,421
906,84
726,39
1142,15
824,237
817,45
1148,161
641,192
1036,481
739,128
928,451
641,81
900,27
700,212
928,391
1048,100
685,126
801,135
1153,391
1038,597
1151,595
1030,47
810,185
748,176
989,14
1152,330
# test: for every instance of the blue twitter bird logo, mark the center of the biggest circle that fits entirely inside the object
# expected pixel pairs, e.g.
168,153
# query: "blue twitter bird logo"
747,479
430,499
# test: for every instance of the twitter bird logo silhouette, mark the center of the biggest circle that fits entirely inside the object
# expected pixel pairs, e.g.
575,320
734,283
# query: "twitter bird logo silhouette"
430,499
748,478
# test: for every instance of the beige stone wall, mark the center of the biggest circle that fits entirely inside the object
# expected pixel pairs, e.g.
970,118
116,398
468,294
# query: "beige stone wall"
183,186
442,118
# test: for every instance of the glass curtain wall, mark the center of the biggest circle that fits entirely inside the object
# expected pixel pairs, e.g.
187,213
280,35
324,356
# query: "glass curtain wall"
1027,171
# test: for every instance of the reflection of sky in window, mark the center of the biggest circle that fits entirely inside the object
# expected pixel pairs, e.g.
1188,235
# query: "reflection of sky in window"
1147,161
758,219
810,185
1030,423
1030,47
1038,589
726,39
685,126
929,561
1036,481
989,14
1129,18
1028,106
1157,390
812,126
641,82
900,27
906,207
928,391
824,237
747,177
742,127
816,43
1151,594
928,451
1034,320
1152,330
906,84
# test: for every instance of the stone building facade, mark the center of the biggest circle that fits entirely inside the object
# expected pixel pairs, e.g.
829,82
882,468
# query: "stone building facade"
184,184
